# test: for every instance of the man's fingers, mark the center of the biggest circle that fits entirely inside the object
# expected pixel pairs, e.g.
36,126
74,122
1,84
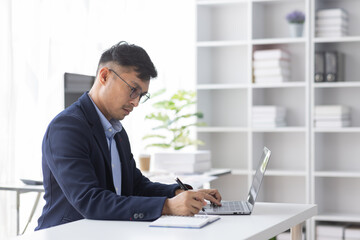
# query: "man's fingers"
213,196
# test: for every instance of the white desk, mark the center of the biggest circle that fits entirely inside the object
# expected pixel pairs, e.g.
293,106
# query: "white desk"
267,220
196,180
19,189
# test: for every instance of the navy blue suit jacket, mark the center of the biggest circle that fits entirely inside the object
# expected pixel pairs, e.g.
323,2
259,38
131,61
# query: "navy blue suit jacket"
78,178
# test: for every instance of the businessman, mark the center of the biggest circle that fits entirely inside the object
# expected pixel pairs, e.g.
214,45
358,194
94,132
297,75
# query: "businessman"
88,168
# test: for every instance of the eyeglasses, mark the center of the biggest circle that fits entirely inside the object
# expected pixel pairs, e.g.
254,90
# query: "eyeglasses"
135,92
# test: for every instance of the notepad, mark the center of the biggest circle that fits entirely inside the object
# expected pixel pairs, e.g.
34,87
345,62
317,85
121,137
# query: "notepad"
197,221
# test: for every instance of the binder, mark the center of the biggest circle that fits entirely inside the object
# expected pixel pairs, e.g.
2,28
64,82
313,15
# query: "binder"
319,75
333,66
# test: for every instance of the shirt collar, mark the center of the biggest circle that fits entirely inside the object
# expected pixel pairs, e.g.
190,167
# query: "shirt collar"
110,127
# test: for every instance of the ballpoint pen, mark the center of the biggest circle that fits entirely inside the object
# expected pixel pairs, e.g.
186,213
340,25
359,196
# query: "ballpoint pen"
183,187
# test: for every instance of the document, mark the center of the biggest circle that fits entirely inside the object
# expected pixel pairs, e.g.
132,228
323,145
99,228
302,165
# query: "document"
197,221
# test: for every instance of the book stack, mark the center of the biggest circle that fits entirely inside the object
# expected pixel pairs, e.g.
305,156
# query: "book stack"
268,116
331,23
332,116
271,66
352,232
183,162
329,232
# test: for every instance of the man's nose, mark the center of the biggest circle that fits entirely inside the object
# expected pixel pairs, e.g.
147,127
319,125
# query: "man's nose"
135,101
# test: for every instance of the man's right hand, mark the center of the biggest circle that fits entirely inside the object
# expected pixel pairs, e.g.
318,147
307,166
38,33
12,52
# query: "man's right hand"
187,203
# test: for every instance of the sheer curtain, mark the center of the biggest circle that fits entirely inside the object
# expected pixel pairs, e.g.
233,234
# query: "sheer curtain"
40,40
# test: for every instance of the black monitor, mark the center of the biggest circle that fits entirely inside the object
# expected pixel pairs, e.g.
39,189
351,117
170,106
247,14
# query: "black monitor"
75,85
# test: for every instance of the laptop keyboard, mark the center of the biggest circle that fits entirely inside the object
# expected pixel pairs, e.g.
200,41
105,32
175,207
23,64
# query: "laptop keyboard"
238,206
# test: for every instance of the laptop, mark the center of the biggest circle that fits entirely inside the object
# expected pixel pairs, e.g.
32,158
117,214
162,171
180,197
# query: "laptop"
243,207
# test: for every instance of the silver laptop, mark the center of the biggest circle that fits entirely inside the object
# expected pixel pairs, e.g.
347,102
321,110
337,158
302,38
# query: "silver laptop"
243,207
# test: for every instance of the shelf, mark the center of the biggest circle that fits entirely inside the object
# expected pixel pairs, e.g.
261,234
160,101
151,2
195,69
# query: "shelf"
220,2
337,217
266,1
279,85
337,84
221,43
337,39
221,86
280,129
221,129
340,174
240,172
278,41
285,173
338,130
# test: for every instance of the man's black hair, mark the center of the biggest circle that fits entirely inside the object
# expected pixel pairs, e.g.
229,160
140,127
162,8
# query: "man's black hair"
130,55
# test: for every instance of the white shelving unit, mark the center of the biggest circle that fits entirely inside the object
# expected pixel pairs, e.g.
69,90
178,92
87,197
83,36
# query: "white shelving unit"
335,165
308,165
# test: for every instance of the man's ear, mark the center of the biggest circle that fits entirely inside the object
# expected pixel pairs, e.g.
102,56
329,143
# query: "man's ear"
103,75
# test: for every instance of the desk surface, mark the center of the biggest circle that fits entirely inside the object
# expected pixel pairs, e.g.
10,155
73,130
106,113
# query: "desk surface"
267,220
22,187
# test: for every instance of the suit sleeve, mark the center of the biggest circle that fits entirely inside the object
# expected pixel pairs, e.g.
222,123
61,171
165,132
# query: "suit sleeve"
68,152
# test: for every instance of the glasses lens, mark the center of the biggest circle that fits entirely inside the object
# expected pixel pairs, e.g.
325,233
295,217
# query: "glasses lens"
135,92
145,97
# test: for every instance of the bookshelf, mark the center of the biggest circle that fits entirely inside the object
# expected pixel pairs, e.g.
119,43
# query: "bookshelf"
308,164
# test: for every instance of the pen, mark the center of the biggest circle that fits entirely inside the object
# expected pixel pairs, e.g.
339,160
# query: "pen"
183,187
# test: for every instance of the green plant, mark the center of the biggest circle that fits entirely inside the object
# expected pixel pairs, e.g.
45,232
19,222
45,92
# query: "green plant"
174,121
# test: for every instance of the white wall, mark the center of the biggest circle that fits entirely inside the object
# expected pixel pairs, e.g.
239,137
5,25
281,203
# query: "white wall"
48,38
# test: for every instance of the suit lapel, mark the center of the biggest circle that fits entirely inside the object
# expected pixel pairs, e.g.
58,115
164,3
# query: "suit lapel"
98,132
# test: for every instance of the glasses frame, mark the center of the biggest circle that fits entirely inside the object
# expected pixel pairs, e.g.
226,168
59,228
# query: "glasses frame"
134,93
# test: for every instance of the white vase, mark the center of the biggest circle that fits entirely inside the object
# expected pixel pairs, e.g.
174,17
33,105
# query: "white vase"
296,29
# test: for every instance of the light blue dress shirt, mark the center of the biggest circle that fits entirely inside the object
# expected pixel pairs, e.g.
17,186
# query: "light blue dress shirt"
111,128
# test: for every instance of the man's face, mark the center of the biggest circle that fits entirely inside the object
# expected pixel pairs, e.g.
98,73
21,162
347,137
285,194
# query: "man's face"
117,85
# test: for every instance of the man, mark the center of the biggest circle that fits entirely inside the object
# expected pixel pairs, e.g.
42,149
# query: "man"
88,169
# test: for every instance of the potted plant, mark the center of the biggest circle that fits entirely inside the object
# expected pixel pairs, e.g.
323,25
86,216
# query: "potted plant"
296,21
174,117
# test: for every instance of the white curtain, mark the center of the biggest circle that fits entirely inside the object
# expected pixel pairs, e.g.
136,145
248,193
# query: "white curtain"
42,39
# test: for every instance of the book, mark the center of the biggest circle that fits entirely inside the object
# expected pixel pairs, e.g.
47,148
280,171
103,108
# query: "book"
269,125
331,29
337,21
331,12
352,232
331,110
319,71
277,63
272,79
269,72
342,123
271,54
330,231
267,109
197,221
335,117
331,34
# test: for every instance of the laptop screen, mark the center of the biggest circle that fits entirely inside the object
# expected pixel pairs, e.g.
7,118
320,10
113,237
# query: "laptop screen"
259,174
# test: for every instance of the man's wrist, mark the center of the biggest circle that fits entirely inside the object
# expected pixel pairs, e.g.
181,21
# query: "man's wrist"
178,191
166,210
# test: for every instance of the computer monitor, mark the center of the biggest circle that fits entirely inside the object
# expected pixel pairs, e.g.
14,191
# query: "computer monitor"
75,85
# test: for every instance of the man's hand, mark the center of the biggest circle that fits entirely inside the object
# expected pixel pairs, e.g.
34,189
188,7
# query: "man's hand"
189,203
212,195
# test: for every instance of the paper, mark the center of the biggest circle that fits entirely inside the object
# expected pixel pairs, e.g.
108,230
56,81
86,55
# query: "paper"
197,221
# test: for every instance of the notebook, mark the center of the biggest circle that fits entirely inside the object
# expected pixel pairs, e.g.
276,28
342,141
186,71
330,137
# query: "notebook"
197,221
243,207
